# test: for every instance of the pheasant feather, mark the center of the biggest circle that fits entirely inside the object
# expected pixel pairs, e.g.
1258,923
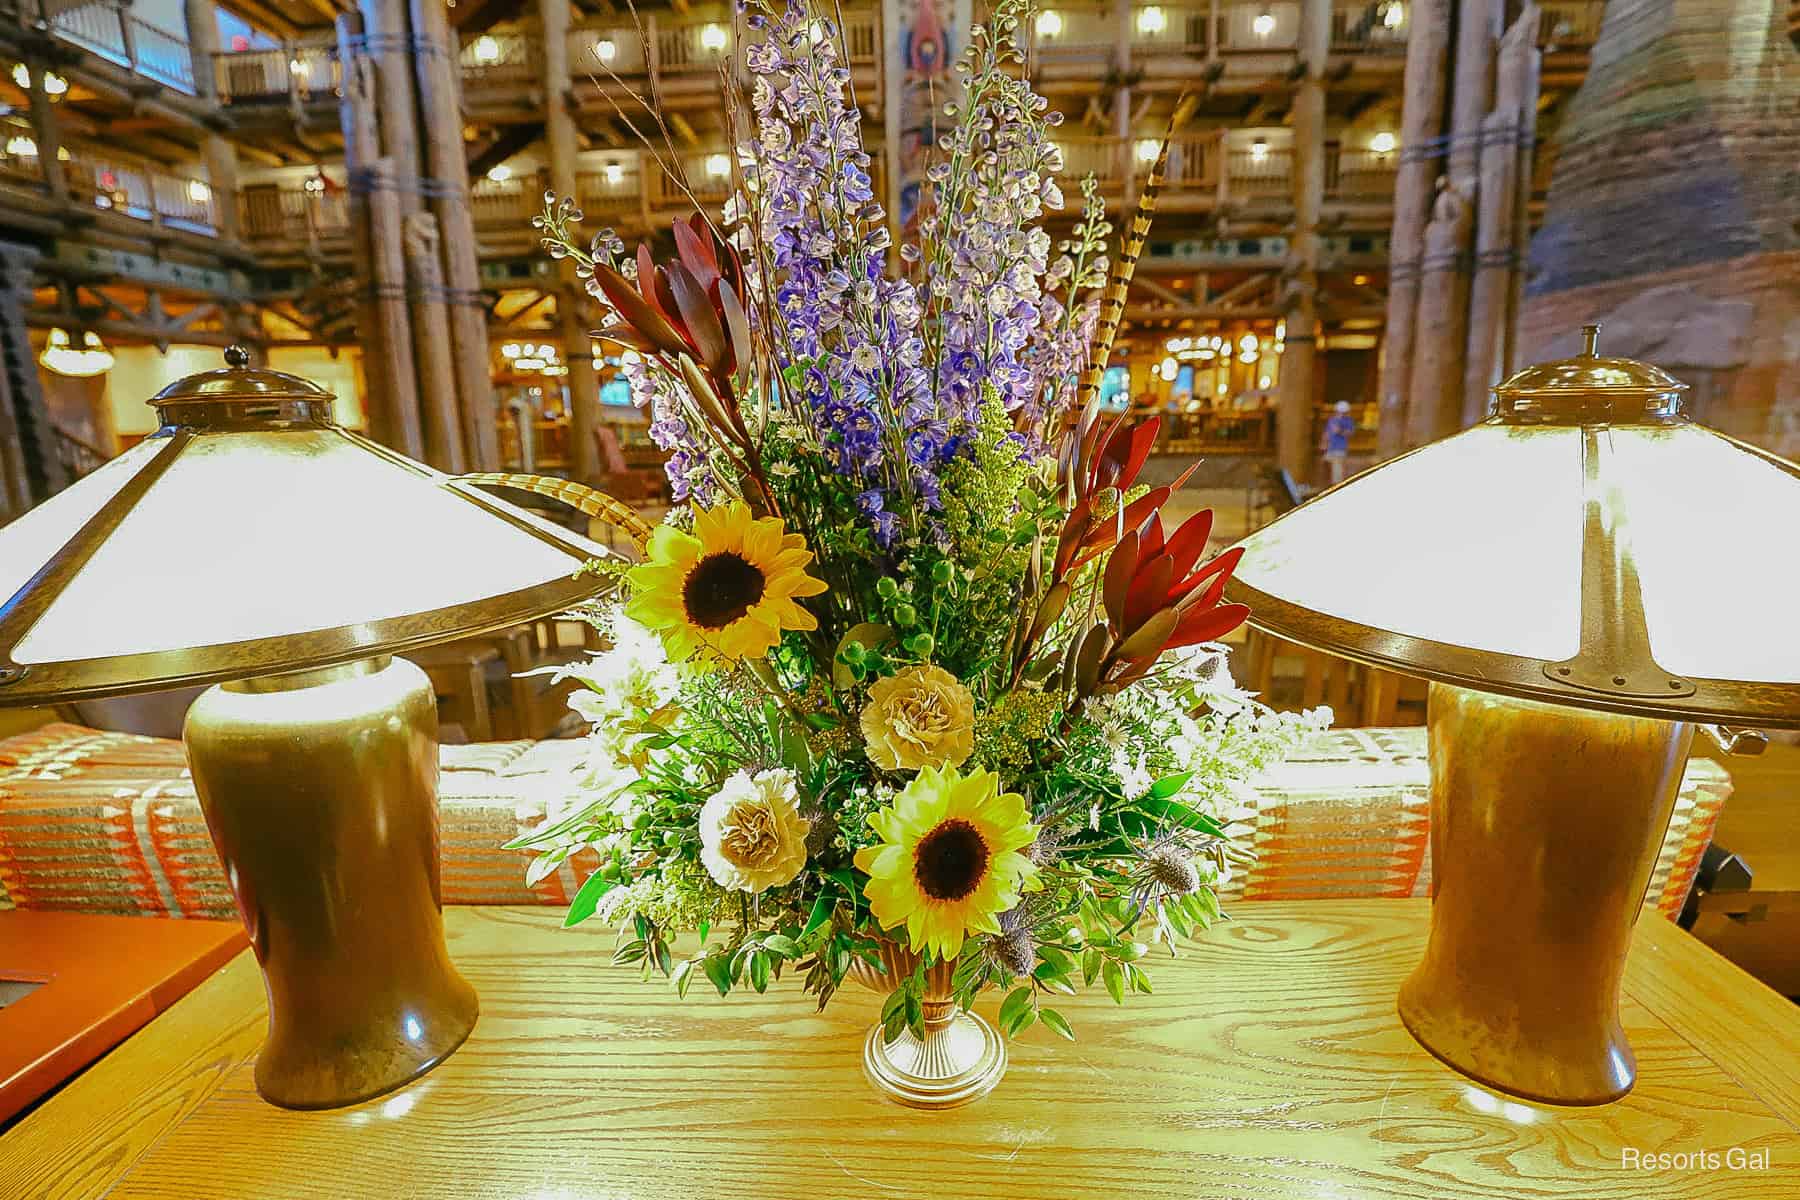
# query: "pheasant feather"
579,496
1112,301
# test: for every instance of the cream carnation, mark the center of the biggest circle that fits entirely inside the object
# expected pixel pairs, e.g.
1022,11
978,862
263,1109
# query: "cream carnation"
921,717
752,836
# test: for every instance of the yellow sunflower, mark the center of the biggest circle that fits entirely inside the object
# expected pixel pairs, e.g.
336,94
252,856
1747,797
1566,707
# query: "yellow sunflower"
948,863
729,587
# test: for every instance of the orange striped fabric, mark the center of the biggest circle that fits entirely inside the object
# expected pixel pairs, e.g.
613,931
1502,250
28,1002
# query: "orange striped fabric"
107,822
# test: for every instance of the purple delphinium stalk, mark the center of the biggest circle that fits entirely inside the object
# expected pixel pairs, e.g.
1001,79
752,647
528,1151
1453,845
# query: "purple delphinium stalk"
816,244
986,256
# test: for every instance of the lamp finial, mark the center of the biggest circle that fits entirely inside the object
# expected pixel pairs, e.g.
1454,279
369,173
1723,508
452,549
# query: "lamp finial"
1590,340
237,356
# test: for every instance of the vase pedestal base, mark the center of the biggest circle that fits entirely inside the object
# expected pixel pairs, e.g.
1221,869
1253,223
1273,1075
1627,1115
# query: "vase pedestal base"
956,1062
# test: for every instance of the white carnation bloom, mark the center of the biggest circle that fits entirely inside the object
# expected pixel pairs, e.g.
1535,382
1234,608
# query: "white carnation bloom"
752,836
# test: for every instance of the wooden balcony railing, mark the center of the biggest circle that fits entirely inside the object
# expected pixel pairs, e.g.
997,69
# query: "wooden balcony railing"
295,71
1229,27
503,60
140,192
113,32
1203,163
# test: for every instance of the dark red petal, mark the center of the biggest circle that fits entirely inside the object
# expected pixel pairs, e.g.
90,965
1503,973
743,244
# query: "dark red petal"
646,281
703,327
737,324
1189,542
638,313
1208,624
1221,566
696,254
1149,590
1117,584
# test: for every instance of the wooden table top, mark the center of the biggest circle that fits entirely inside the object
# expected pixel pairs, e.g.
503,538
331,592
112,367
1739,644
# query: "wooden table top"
1269,1064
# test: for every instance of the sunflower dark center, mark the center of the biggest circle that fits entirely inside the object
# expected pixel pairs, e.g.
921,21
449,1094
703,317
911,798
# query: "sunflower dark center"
950,861
720,589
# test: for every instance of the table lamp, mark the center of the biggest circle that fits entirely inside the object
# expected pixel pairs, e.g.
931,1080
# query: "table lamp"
1583,576
252,543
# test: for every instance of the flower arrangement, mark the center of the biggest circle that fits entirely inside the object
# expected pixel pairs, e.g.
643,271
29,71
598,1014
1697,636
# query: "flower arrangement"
914,666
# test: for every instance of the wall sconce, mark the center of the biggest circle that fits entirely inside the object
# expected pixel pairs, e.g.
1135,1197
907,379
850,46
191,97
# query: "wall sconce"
1383,142
1148,149
1264,24
20,146
1151,20
1259,150
718,165
296,68
61,356
198,191
487,51
499,173
712,38
315,184
1393,14
1049,24
615,174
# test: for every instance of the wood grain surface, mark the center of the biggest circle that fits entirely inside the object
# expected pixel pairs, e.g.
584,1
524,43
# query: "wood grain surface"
1269,1064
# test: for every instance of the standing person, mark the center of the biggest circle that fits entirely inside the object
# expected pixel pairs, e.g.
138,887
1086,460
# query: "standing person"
1338,429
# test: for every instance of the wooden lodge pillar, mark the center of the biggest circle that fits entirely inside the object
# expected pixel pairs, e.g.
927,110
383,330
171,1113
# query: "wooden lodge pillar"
216,151
440,90
382,316
1496,257
431,345
46,132
1421,126
1295,393
559,135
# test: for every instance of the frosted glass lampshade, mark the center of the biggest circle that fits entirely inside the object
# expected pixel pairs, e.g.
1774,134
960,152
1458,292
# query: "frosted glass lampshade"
249,535
1587,544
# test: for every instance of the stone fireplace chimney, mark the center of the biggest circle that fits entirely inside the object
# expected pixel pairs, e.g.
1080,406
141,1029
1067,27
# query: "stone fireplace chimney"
1673,214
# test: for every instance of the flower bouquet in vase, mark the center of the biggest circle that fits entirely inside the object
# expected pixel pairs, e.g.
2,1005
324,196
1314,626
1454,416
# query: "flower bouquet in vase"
913,687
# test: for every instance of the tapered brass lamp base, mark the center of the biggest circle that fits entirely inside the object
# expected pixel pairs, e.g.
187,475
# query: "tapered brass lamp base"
1545,826
320,790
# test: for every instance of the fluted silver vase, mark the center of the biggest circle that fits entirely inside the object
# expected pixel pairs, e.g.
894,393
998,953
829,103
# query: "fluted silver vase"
961,1056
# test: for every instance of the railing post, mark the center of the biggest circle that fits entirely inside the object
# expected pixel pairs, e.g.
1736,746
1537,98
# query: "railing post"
1224,184
127,39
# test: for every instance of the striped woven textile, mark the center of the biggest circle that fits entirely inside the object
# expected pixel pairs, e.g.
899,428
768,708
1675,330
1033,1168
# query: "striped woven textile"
107,822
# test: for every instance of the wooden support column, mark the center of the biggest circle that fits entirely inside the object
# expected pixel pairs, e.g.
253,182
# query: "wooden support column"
1526,174
1421,127
46,131
1477,36
1490,291
559,135
382,317
217,152
441,107
1295,391
1436,383
431,343
30,467
387,46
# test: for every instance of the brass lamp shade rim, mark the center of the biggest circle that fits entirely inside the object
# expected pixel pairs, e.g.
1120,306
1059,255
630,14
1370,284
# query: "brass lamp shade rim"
95,678
1770,705
28,682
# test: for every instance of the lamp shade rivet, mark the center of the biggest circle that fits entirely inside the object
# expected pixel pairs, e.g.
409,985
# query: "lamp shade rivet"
11,675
